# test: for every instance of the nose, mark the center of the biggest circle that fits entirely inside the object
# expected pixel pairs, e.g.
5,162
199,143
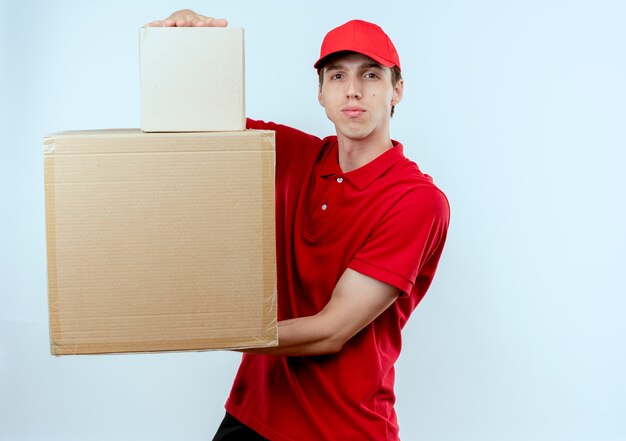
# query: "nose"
353,91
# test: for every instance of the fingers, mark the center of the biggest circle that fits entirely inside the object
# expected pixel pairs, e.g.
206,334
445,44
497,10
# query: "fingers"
218,23
202,21
160,24
187,18
208,22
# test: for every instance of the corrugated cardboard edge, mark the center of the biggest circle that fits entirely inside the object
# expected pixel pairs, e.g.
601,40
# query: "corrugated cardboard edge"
199,345
269,333
50,203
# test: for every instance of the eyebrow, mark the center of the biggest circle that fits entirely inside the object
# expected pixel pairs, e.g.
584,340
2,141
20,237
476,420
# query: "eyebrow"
339,66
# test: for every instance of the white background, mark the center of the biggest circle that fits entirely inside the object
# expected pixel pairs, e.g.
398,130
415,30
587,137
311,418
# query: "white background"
517,108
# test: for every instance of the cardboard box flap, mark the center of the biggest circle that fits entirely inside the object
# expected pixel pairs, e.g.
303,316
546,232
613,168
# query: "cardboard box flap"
136,141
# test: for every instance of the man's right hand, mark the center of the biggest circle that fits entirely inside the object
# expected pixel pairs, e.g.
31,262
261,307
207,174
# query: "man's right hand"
188,18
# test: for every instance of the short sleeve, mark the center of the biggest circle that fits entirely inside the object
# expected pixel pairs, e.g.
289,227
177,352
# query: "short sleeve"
407,242
291,144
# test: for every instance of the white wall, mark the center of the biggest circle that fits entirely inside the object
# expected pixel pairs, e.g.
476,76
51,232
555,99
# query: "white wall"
517,108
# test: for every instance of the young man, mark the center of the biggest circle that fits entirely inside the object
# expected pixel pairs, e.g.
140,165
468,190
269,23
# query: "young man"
360,230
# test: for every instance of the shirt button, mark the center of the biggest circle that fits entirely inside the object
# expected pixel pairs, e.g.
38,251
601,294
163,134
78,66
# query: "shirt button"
324,207
340,180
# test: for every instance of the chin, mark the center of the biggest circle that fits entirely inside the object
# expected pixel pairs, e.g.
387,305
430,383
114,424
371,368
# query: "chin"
356,133
356,136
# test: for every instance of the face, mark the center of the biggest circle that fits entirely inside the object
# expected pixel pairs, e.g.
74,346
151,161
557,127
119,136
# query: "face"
357,95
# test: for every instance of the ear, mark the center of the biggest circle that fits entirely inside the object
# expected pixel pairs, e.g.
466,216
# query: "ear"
320,98
398,90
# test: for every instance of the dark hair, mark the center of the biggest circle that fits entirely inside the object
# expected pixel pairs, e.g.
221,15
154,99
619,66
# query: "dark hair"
396,75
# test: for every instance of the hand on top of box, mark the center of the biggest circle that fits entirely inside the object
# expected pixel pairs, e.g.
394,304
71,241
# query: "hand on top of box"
188,18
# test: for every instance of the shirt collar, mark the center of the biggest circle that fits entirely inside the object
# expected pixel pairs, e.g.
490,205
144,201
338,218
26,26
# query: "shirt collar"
365,175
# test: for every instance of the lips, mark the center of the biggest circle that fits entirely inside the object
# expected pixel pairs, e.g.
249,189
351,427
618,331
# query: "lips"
353,112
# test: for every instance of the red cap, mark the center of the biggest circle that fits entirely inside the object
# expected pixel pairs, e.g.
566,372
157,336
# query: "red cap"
362,37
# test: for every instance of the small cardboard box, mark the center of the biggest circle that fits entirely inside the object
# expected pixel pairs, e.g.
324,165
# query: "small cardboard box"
160,241
192,79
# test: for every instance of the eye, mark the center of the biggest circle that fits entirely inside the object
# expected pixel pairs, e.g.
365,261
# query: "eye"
371,75
336,76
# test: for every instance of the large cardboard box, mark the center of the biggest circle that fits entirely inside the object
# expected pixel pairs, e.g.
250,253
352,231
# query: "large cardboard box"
160,242
192,79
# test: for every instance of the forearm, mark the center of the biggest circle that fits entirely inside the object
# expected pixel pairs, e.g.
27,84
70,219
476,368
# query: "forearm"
355,302
301,337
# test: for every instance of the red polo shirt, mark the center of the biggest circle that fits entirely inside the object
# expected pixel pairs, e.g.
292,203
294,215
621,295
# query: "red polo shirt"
386,220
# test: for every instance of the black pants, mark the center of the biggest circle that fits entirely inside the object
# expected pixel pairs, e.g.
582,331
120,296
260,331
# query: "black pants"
232,429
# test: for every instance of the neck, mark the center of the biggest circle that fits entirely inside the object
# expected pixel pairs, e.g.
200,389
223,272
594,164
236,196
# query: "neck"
355,153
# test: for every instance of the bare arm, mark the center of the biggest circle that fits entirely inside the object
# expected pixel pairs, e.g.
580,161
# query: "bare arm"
355,302
188,18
